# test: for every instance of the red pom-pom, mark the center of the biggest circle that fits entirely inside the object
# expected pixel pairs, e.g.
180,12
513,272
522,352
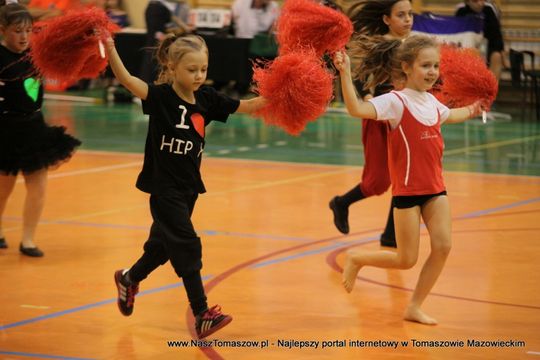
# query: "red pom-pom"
465,78
298,89
67,48
305,23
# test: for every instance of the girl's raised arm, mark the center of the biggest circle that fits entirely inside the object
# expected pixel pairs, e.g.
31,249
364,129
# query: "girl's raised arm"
354,107
135,85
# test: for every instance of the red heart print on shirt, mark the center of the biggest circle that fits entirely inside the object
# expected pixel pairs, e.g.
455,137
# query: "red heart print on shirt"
198,122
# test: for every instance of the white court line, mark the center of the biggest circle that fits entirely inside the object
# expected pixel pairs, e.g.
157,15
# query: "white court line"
97,169
308,164
533,353
334,170
317,144
83,99
111,153
267,184
295,164
90,171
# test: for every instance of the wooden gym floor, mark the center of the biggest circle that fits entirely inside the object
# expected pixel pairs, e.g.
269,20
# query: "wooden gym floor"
272,257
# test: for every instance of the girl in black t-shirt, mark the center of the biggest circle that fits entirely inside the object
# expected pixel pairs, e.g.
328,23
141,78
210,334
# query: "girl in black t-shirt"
27,144
179,107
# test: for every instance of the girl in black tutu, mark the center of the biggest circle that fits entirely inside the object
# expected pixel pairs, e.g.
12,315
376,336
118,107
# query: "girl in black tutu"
27,144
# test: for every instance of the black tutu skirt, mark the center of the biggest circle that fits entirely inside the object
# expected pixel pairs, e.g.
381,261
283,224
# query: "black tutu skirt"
28,144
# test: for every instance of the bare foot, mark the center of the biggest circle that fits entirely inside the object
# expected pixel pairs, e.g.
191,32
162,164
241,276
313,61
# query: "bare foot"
350,271
417,315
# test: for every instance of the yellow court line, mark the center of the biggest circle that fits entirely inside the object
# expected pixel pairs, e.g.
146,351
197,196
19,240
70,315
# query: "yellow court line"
217,193
282,182
341,169
492,145
40,307
207,159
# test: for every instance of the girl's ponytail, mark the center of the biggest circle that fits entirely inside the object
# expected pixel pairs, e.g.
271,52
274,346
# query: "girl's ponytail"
373,59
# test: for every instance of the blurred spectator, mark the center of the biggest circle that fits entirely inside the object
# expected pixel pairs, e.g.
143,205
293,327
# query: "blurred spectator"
160,17
492,31
181,15
251,17
116,13
157,15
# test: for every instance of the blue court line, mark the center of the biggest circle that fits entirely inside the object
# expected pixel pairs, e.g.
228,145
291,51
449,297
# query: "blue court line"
43,356
483,162
90,306
499,208
258,236
56,314
374,238
270,262
316,251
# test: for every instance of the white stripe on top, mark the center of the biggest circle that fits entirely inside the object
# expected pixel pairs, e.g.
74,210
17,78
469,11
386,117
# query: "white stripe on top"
408,155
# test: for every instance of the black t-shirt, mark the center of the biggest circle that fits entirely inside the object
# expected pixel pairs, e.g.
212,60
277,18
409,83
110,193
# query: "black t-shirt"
492,26
23,91
175,139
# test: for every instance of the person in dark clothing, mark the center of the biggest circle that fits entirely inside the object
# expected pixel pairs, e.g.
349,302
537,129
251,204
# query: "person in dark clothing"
28,145
492,31
157,15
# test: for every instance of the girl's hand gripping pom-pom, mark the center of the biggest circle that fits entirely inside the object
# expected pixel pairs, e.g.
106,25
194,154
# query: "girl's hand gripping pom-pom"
341,60
465,79
68,48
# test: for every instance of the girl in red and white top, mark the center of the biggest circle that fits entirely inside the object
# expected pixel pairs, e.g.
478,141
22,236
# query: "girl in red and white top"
415,148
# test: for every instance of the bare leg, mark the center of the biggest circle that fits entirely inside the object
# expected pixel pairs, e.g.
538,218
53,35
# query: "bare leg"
7,183
407,225
436,214
36,184
350,271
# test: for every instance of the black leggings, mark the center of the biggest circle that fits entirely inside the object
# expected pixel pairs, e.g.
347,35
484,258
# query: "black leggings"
172,237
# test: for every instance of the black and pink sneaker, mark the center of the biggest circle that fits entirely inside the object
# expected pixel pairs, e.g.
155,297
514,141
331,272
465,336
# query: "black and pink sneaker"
211,321
126,292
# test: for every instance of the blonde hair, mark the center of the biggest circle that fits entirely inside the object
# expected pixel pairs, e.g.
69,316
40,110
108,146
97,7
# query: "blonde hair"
379,60
171,50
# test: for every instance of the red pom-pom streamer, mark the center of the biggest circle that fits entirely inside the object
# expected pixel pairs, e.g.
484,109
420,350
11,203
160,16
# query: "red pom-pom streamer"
306,23
298,89
465,78
66,48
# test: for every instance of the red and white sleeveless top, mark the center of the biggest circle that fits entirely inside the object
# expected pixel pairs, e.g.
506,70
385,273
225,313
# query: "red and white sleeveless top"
415,154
